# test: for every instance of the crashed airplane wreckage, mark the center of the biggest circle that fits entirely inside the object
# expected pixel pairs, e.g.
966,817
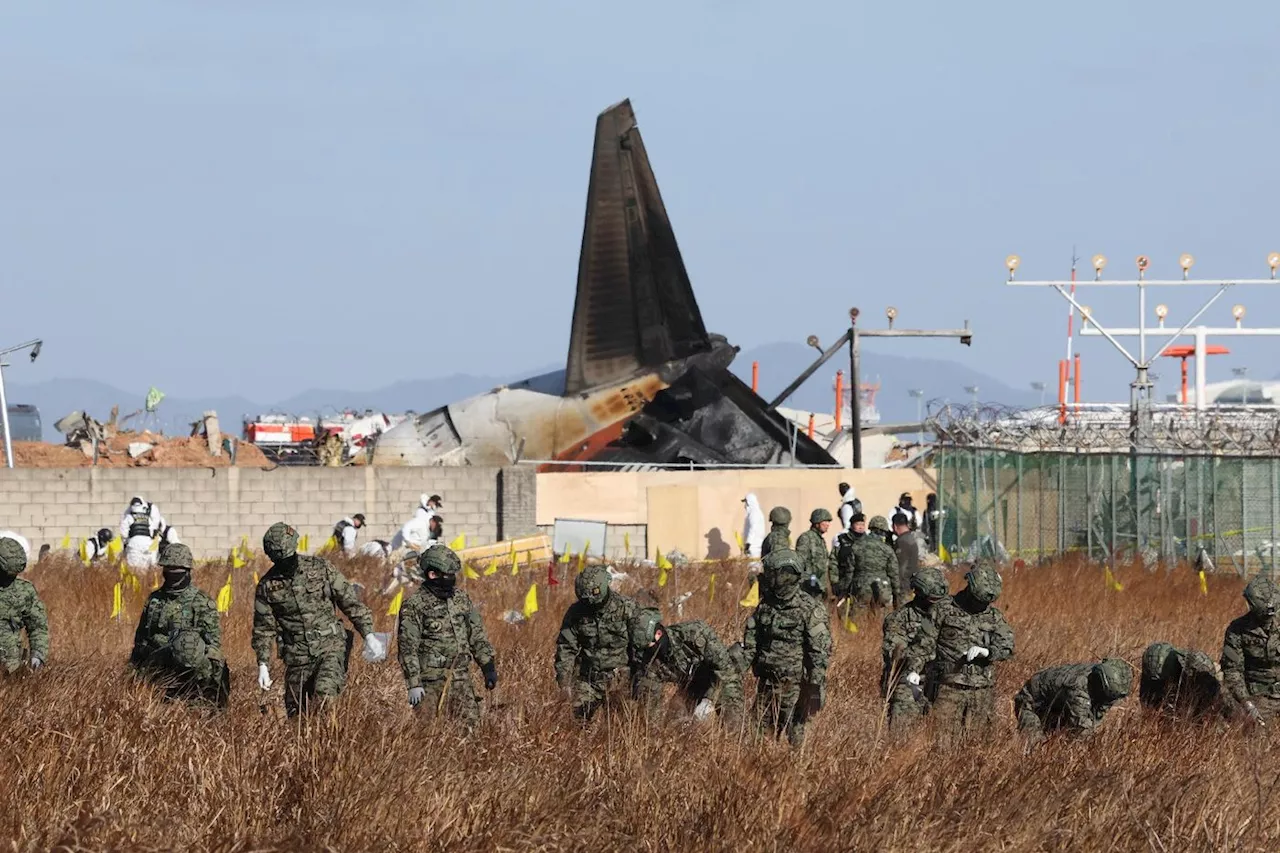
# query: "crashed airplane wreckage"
645,384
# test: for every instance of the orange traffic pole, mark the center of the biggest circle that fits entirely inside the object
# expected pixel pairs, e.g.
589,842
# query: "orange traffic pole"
840,397
1184,380
755,377
1077,385
811,425
1062,391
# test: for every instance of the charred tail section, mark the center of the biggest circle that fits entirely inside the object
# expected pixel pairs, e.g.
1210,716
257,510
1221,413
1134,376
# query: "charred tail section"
634,307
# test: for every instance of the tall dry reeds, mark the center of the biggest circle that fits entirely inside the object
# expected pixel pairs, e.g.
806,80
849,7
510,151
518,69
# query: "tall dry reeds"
93,761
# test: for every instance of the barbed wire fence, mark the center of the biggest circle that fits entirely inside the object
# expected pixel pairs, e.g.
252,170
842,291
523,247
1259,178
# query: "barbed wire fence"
1038,483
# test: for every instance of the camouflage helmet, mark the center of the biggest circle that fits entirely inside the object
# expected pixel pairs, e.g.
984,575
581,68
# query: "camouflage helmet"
1199,662
819,515
780,515
1261,595
175,556
643,626
280,542
188,650
985,583
1114,678
1155,658
878,522
592,585
930,582
13,559
440,559
783,559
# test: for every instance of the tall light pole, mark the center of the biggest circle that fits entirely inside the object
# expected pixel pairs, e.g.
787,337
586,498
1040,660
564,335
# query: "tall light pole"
34,346
1039,386
918,393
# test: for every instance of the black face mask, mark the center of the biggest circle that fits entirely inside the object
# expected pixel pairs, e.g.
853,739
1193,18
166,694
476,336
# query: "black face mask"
177,578
663,646
442,585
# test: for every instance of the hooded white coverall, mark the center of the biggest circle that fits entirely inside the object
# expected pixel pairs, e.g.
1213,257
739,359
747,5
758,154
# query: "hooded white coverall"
139,526
753,528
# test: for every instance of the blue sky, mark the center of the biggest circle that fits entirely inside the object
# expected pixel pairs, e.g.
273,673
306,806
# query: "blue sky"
258,198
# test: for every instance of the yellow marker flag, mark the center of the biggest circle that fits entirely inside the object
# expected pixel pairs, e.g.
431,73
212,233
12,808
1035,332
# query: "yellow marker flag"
304,544
943,554
531,601
737,534
582,561
515,563
470,574
129,578
255,579
753,596
565,558
65,544
662,561
492,568
84,552
236,562
224,597
847,622
459,542
1204,585
711,589
115,547
1111,580
662,577
394,609
626,543
117,602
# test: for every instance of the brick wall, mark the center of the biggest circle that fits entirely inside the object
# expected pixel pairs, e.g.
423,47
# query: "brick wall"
212,508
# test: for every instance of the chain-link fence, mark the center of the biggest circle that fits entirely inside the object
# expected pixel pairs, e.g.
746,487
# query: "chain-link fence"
1036,484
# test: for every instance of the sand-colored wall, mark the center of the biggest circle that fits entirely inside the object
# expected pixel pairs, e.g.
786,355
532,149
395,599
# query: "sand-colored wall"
695,511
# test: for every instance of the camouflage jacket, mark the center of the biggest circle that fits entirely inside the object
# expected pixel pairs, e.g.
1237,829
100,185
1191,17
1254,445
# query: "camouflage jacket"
789,640
1191,682
779,538
593,643
297,606
958,629
1251,658
812,549
693,646
910,641
1059,696
436,635
168,611
22,610
864,559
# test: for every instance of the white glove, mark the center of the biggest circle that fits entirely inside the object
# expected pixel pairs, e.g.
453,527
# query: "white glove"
913,678
264,677
416,695
704,710
36,663
375,649
975,651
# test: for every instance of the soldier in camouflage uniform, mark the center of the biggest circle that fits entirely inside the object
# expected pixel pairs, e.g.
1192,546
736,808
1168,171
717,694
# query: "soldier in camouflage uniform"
593,649
1251,654
866,565
295,605
1180,681
690,655
812,548
787,643
1074,697
779,531
20,610
909,644
178,643
440,632
972,636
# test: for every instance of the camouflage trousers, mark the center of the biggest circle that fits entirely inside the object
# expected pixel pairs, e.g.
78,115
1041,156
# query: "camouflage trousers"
452,696
779,708
321,678
1268,708
869,590
210,682
589,694
11,660
963,710
904,708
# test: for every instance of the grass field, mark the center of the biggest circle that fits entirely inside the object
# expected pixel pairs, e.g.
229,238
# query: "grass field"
89,760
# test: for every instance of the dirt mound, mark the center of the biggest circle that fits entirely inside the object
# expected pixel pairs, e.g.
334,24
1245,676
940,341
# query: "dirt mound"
167,452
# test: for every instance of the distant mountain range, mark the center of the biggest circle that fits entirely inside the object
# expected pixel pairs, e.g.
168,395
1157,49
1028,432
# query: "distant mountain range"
780,364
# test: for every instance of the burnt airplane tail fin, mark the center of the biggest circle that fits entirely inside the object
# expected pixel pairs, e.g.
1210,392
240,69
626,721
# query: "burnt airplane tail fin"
635,306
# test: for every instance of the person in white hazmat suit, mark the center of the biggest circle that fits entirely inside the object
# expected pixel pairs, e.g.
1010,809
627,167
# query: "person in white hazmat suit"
753,526
849,506
416,533
139,527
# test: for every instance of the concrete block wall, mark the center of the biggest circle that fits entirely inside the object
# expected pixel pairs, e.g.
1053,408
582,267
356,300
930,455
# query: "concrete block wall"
212,508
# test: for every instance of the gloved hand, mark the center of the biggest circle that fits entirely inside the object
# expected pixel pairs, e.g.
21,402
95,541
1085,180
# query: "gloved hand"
704,710
36,663
490,671
264,676
913,678
374,647
976,651
416,695
1254,715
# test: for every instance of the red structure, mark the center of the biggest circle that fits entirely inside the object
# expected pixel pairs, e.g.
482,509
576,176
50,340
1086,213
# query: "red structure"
1186,351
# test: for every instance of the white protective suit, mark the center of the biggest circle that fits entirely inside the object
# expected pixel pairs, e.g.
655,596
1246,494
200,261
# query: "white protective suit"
349,534
847,508
20,539
140,515
416,532
377,548
753,527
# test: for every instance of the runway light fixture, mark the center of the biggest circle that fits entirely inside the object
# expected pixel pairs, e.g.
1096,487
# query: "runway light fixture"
1273,261
1142,262
1087,313
812,341
1011,263
1186,260
892,314
1099,264
1162,311
1237,311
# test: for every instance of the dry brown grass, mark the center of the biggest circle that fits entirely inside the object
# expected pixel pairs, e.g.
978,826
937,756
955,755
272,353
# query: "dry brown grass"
92,761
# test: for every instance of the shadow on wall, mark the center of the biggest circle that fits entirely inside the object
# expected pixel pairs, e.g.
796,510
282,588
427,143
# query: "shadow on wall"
717,548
